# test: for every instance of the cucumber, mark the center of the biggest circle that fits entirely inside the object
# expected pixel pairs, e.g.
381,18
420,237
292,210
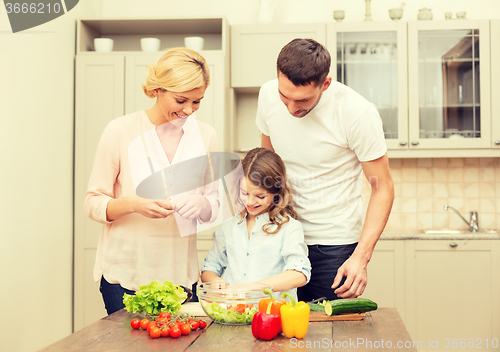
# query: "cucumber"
328,308
316,307
351,305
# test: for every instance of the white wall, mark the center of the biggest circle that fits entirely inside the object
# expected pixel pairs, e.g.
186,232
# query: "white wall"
36,141
36,180
296,11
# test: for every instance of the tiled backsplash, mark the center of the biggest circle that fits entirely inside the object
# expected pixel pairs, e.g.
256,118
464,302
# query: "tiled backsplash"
424,186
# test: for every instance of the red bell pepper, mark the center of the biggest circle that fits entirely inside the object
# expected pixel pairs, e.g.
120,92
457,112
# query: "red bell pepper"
266,326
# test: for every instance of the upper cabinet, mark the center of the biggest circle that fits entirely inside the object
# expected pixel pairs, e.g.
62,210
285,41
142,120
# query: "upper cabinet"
449,90
126,33
432,81
495,84
371,58
254,49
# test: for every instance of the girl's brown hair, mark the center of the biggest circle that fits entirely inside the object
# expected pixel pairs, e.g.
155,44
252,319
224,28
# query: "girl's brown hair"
265,169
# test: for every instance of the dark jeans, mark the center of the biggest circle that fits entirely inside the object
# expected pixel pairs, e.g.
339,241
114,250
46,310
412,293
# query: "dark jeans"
325,261
112,295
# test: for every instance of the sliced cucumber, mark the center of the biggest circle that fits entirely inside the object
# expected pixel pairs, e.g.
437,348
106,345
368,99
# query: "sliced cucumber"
328,308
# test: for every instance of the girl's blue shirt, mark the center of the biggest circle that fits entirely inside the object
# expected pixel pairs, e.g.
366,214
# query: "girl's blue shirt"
245,259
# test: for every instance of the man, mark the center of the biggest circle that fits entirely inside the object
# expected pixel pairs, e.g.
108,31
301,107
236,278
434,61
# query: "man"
333,136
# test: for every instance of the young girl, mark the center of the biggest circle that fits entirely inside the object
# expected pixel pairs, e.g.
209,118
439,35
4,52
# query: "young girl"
264,243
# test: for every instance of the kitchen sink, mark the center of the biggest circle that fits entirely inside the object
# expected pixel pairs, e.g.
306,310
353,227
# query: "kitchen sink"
464,232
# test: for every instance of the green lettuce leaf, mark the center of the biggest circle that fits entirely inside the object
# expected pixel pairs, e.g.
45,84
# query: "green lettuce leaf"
228,316
155,298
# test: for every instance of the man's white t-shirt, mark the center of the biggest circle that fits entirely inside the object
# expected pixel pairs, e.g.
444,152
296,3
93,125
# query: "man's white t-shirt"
322,152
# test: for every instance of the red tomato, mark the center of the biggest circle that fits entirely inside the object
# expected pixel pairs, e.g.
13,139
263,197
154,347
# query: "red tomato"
185,328
165,332
155,332
203,324
175,332
152,324
164,316
194,324
144,324
135,324
240,308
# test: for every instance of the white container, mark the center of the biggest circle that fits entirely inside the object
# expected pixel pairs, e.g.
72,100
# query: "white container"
103,45
424,14
194,43
396,14
150,44
338,15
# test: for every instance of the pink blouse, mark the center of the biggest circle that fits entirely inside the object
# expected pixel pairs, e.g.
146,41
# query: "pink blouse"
134,250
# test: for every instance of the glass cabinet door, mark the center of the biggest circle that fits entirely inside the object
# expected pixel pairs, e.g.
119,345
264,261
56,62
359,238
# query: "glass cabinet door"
371,59
449,84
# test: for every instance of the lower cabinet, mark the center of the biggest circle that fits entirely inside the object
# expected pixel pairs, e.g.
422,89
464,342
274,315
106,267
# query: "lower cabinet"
386,275
204,244
453,293
446,291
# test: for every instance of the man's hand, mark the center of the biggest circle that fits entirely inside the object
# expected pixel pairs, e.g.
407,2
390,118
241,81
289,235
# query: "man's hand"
356,279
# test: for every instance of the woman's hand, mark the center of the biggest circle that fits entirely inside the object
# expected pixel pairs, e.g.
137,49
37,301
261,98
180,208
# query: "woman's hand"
154,208
150,208
192,206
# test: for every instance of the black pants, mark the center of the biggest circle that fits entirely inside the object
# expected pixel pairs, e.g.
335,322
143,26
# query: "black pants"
112,295
325,262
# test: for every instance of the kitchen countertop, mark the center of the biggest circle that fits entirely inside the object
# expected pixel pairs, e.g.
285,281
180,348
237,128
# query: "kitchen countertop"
375,332
420,235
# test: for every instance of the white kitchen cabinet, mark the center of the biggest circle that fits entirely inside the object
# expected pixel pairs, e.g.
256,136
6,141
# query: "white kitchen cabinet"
495,84
386,275
254,51
449,84
98,99
371,58
452,291
107,86
430,81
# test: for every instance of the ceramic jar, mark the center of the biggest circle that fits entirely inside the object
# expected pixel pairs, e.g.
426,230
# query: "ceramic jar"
424,14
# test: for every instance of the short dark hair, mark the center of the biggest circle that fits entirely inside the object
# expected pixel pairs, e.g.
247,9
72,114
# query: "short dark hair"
304,61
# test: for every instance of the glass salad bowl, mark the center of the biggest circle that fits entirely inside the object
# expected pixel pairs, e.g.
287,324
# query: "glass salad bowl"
233,304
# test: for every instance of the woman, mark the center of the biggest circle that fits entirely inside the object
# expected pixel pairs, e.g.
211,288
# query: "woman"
143,239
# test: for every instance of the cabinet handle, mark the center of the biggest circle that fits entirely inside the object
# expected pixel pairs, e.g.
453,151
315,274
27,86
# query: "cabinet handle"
497,142
403,143
415,143
453,245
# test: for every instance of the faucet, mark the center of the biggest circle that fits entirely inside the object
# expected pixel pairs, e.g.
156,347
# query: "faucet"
473,223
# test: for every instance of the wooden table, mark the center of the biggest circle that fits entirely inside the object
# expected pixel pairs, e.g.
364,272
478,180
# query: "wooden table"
374,333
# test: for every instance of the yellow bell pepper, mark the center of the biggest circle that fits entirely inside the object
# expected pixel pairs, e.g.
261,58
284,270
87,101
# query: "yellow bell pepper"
294,318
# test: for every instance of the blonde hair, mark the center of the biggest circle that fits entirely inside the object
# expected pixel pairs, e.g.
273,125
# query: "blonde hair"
177,70
265,169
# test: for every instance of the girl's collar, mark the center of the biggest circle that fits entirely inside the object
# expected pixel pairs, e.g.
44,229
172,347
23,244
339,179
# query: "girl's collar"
261,217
